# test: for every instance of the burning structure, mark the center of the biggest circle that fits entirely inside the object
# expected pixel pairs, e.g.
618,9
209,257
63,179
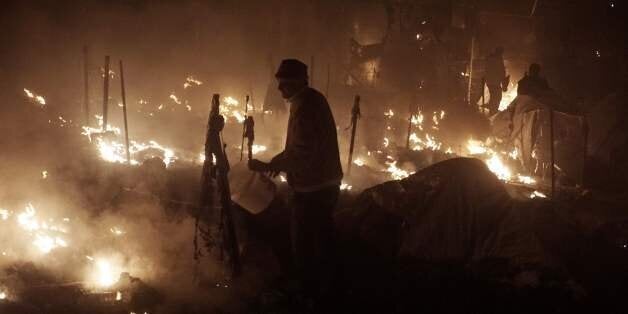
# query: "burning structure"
101,164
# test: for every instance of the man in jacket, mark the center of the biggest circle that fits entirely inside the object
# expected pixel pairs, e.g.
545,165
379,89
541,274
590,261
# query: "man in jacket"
311,161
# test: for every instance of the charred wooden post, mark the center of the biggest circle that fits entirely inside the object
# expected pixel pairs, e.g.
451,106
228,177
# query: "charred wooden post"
482,93
219,172
105,98
355,115
86,85
471,59
126,124
246,109
249,133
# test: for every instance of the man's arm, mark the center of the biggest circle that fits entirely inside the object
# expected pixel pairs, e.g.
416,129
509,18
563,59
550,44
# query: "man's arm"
301,150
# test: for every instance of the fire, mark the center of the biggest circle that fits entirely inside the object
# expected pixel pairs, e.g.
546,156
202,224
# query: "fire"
395,172
175,98
508,97
4,214
37,98
496,166
345,187
46,234
116,231
191,81
231,108
105,273
112,150
495,163
3,294
359,162
537,194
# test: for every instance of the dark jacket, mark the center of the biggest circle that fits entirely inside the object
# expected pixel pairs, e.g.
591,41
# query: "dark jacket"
311,158
532,86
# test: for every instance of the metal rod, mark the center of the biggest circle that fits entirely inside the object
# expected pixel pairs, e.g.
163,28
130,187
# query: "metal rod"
126,125
553,161
105,98
355,115
86,85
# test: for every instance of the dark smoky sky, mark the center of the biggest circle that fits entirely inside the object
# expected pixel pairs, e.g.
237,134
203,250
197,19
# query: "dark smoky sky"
226,44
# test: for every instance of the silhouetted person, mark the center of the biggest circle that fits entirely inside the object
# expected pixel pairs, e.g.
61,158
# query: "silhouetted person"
532,84
495,77
311,161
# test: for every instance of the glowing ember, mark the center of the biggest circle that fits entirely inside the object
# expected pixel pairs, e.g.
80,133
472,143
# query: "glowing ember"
37,98
359,162
118,296
4,214
175,98
345,187
3,295
116,231
191,81
525,179
537,194
389,113
44,174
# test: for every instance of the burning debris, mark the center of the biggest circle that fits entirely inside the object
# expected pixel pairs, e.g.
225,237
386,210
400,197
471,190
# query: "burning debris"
34,97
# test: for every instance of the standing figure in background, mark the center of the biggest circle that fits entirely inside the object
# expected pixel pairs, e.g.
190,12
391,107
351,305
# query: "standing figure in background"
532,84
311,160
496,79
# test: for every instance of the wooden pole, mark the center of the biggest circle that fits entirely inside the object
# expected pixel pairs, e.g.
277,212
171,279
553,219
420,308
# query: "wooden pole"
553,161
409,125
482,90
246,108
355,115
471,57
86,85
105,98
126,125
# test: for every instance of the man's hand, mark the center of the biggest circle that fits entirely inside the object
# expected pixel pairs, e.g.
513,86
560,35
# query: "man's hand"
258,165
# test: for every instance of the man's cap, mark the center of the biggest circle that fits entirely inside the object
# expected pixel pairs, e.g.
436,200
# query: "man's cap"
292,69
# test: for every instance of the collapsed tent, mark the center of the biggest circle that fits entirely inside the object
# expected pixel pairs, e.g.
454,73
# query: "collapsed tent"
526,126
455,210
458,213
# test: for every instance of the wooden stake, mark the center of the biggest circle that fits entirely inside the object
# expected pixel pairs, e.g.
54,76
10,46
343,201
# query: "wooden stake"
355,115
85,85
105,99
471,57
126,125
